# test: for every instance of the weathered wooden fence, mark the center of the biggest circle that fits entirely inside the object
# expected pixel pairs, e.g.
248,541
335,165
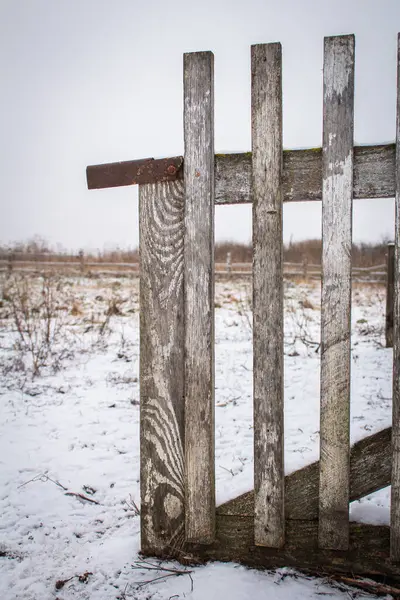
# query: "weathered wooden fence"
301,519
81,265
306,271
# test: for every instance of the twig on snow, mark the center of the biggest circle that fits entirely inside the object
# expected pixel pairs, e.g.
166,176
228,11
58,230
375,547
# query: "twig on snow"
44,477
82,497
367,585
166,572
131,505
229,470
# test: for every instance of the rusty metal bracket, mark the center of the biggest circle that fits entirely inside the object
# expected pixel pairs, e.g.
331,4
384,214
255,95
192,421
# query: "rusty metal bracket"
133,172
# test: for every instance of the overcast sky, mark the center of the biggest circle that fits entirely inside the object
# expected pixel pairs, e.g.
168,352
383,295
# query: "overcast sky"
91,81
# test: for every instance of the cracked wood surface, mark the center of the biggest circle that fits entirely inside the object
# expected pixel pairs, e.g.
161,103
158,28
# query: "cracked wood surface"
395,500
199,295
266,127
337,196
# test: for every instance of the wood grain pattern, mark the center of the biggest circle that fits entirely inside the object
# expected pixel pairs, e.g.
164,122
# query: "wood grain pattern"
336,292
395,500
368,552
161,230
373,177
199,295
370,470
266,127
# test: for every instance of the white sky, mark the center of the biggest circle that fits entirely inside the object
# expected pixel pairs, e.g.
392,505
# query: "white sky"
92,81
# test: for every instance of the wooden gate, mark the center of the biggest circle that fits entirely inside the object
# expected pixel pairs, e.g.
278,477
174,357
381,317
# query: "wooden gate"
302,519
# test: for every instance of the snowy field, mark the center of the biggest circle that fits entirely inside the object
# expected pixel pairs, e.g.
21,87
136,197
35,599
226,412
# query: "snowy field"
69,435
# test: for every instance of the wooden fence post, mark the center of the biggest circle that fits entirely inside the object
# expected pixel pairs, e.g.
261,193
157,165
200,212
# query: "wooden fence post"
266,131
228,263
395,497
82,261
199,296
389,296
161,230
336,292
10,263
305,268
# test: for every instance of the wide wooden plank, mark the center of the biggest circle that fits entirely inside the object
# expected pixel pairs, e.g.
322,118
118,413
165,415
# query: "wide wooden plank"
373,177
337,168
199,295
395,501
368,552
266,121
370,470
132,172
161,229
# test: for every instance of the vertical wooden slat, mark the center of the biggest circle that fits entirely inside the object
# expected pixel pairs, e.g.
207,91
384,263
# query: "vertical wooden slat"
337,195
395,499
199,295
161,228
389,296
266,125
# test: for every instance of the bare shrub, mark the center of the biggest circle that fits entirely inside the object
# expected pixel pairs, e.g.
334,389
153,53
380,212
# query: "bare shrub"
299,320
114,304
299,325
37,316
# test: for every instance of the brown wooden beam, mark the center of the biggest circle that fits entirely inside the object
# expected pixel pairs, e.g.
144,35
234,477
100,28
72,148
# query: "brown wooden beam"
370,470
373,177
368,552
374,174
132,172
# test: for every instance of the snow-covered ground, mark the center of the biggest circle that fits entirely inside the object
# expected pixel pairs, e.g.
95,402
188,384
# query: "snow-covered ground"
74,429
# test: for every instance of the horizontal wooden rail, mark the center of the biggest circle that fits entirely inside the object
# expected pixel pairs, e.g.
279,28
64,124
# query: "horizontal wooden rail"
135,265
291,269
368,549
66,263
374,174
